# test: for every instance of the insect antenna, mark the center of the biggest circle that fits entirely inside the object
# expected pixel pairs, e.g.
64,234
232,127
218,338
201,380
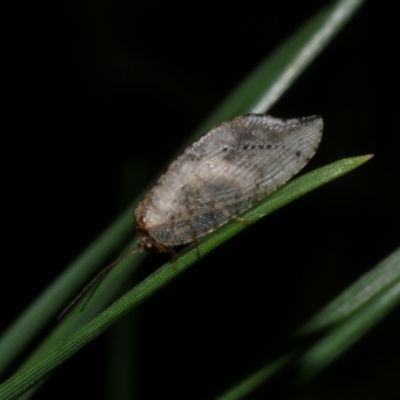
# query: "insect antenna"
97,280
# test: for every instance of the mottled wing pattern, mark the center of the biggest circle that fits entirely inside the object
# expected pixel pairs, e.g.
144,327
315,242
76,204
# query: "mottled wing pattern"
249,157
226,171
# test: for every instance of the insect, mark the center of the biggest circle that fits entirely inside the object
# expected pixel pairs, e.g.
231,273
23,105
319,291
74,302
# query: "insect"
218,177
221,175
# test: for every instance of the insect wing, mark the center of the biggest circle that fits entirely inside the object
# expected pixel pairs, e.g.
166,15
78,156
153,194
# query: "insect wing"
227,171
250,157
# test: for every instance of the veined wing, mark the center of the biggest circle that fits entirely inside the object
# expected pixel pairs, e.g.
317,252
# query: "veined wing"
229,169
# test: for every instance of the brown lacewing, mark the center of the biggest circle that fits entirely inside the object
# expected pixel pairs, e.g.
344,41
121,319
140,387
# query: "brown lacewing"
218,177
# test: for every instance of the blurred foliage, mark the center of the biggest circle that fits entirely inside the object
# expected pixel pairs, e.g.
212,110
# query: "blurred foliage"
89,86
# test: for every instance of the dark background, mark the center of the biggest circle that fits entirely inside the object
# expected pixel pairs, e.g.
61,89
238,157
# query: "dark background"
99,94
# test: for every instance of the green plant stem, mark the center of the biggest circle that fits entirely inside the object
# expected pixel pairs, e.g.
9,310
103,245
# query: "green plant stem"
28,377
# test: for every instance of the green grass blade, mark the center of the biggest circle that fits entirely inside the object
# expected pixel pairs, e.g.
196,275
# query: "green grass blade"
269,81
375,282
60,291
76,319
122,376
257,93
352,315
28,377
342,323
245,387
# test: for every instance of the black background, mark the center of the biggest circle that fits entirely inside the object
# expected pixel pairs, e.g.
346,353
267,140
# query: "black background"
97,97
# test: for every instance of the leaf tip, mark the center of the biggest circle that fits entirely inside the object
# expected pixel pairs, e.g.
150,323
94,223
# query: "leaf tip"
368,157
